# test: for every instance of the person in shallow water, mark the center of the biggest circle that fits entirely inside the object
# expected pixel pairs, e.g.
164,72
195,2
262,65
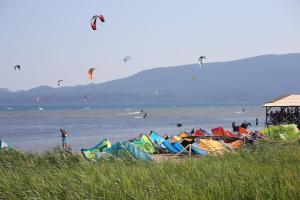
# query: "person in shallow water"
145,115
63,138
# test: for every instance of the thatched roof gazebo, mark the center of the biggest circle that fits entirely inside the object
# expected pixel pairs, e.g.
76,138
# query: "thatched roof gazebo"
283,110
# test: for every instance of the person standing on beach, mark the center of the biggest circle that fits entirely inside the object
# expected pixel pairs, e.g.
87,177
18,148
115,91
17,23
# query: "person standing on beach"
64,138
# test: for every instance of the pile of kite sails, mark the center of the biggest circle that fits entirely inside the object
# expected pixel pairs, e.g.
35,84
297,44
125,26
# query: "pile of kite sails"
195,143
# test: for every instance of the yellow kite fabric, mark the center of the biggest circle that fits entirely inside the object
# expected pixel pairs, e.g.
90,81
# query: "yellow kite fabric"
212,146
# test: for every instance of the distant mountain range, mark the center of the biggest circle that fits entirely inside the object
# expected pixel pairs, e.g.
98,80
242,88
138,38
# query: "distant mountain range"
249,80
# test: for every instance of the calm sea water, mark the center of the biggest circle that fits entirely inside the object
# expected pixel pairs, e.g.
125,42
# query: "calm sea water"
31,128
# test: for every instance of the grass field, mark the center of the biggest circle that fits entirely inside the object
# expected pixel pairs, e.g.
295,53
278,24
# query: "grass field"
262,171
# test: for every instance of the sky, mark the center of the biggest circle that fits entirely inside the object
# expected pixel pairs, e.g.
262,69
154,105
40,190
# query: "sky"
53,40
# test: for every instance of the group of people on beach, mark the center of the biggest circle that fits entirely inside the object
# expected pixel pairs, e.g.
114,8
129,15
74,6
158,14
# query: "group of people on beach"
282,116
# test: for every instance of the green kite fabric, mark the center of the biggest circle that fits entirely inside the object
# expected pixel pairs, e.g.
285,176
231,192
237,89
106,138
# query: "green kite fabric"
285,132
94,153
144,143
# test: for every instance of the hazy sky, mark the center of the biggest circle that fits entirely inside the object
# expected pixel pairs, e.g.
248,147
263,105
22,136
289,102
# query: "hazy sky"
53,39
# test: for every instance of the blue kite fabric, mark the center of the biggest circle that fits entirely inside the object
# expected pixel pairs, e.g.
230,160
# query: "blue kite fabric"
126,149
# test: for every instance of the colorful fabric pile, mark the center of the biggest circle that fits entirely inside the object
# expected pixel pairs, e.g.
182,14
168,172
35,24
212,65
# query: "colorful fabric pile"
199,143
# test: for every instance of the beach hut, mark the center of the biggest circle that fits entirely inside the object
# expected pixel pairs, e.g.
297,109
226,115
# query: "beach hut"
283,110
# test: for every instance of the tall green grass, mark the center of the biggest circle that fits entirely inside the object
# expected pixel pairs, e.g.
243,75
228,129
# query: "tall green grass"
262,171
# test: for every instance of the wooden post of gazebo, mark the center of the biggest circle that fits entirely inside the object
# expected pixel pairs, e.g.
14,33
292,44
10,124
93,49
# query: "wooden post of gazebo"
283,110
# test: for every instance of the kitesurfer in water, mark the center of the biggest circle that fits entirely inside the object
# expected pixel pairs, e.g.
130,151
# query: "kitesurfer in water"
145,115
63,138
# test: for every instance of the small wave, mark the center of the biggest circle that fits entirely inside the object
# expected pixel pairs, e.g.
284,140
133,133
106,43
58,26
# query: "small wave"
9,108
239,112
40,108
138,117
86,108
134,113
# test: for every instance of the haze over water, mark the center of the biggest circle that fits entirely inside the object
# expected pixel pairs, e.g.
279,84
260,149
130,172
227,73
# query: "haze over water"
36,130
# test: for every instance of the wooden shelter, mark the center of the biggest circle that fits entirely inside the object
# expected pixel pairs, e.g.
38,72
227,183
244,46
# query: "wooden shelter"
283,110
